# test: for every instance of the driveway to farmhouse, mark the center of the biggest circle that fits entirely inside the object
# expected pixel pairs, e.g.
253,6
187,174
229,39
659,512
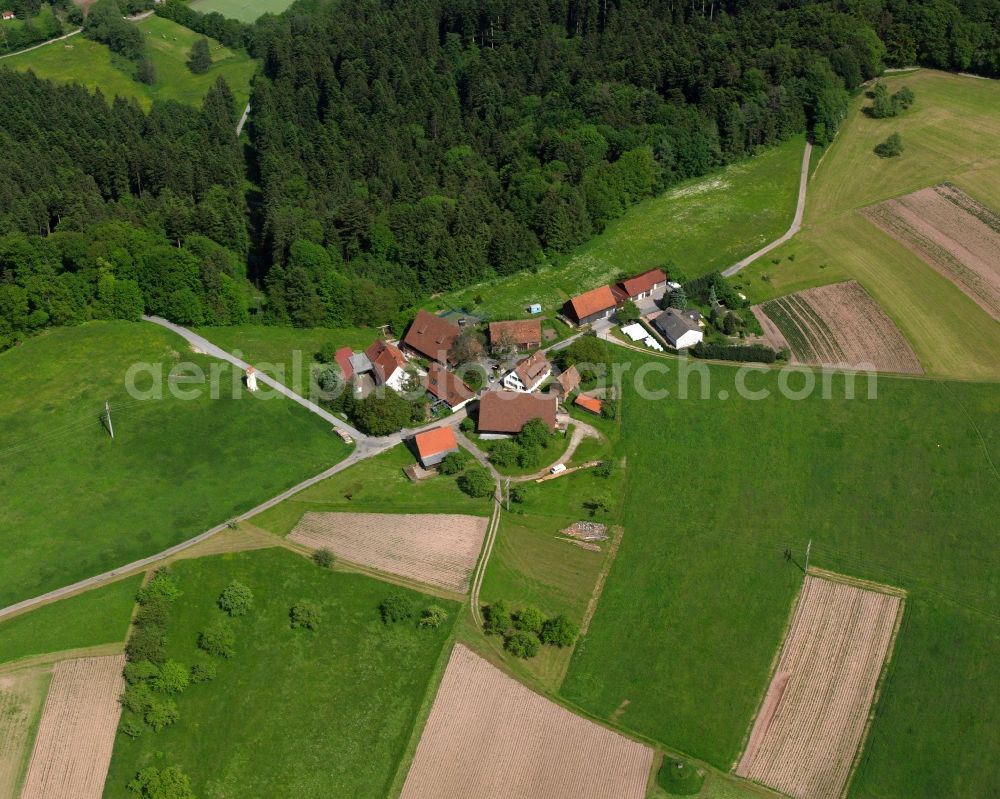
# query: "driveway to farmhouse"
800,208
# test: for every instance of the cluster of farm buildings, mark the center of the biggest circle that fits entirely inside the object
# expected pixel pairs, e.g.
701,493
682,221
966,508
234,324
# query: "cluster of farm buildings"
529,386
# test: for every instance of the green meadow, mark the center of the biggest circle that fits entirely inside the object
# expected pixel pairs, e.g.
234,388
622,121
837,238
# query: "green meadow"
243,10
900,489
321,713
80,60
98,616
699,226
76,503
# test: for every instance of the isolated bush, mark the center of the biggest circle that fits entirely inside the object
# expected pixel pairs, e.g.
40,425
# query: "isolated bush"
172,679
518,494
165,783
453,462
467,425
199,59
529,455
559,631
891,147
604,469
535,433
161,712
140,670
598,504
218,639
137,698
497,618
521,644
609,409
432,617
202,672
476,482
529,619
395,608
323,558
236,599
305,614
146,643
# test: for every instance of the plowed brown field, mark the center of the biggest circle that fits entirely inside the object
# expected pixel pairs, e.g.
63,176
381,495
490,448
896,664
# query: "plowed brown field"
837,325
813,718
953,233
77,730
434,548
489,737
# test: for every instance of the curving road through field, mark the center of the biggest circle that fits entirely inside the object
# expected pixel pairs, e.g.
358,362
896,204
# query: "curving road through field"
796,225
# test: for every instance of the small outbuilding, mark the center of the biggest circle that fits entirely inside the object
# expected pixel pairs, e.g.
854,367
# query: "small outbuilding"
568,382
433,446
591,404
593,305
642,286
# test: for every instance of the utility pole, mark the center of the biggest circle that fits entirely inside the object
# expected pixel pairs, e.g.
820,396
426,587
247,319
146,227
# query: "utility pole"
107,415
808,549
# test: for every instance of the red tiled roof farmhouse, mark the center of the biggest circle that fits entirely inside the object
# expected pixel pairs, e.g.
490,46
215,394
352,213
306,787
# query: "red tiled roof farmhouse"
509,411
531,369
343,359
644,283
595,301
385,358
521,331
434,442
431,336
447,386
591,404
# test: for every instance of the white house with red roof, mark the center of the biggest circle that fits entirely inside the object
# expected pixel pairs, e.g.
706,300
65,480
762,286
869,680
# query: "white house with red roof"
388,365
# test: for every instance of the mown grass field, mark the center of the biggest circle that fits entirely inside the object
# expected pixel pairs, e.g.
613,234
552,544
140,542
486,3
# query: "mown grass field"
699,226
98,616
375,485
243,10
949,135
288,352
699,595
80,60
322,713
76,503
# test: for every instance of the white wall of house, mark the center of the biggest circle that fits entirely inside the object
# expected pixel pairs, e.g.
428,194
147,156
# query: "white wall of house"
513,383
397,379
689,339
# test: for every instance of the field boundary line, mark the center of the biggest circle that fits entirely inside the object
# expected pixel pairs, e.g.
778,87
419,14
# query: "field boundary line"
877,696
857,582
771,672
979,433
602,578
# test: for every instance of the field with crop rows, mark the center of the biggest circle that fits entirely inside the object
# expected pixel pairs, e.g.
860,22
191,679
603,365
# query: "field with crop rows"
488,735
434,548
21,695
837,325
77,731
814,715
953,233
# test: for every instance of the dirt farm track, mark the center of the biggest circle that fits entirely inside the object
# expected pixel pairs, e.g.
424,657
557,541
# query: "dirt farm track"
815,713
438,549
77,731
489,737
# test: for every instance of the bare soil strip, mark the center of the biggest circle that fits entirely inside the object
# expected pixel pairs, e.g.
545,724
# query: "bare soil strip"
490,737
956,235
77,731
438,549
21,696
838,325
815,714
